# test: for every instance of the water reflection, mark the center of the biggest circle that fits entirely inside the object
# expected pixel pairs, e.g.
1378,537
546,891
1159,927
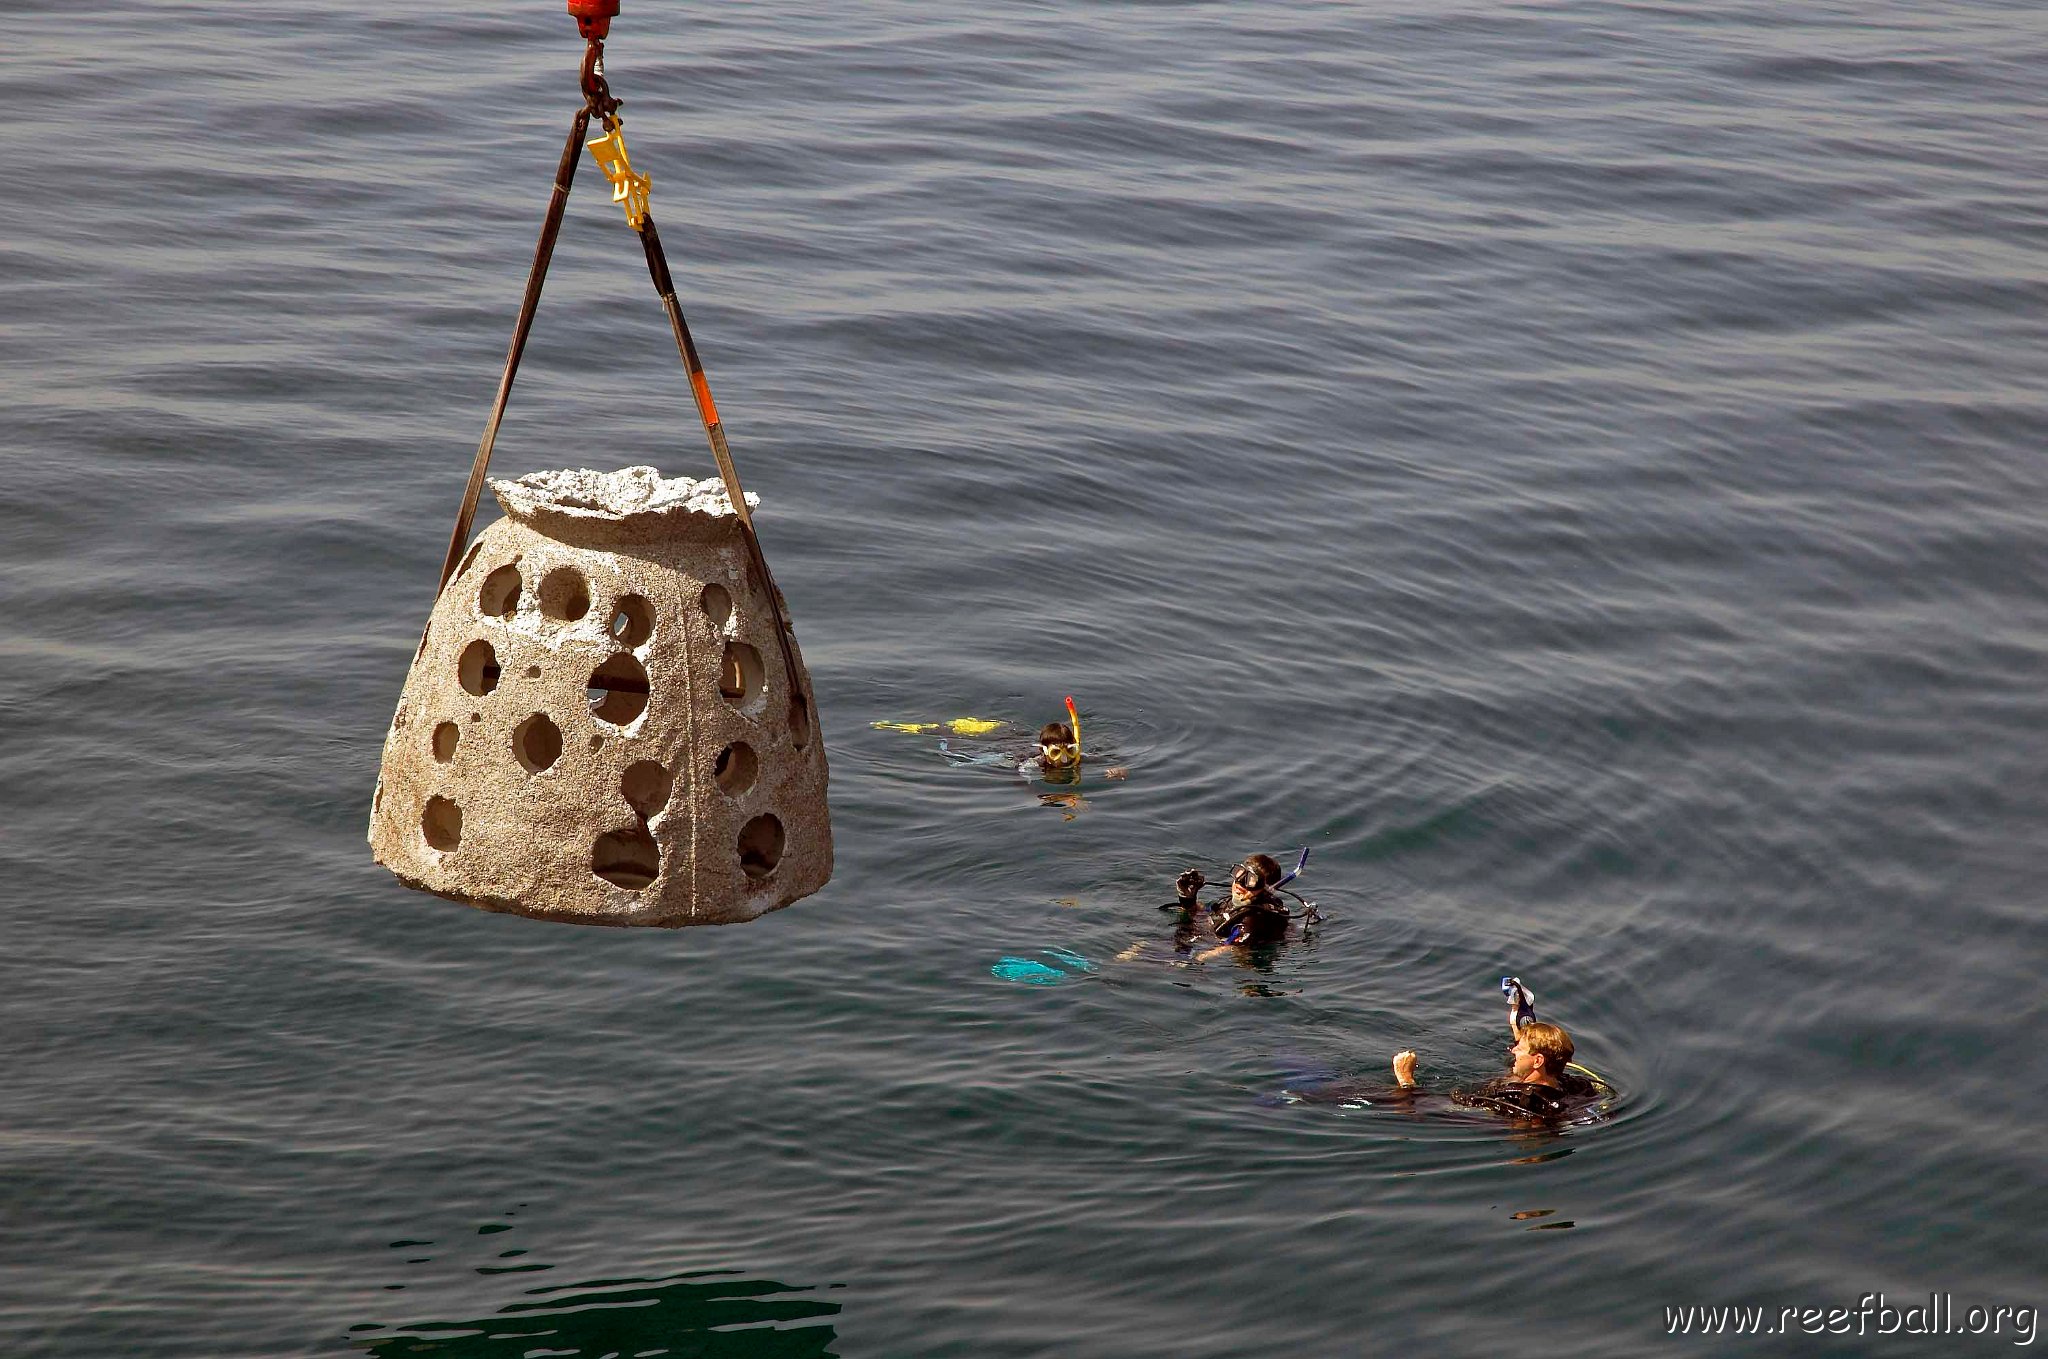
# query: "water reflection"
1071,805
698,1315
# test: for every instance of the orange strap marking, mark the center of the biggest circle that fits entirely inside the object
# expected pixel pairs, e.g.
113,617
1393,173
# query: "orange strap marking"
704,401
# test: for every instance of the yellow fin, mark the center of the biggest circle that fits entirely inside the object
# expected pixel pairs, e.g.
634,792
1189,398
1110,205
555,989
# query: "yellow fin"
914,728
971,726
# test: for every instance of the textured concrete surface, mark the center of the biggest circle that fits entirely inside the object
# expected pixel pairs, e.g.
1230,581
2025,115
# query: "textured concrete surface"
597,726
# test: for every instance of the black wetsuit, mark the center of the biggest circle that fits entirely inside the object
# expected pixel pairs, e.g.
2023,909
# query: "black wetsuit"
1521,1099
1260,923
1196,925
1502,1095
1262,920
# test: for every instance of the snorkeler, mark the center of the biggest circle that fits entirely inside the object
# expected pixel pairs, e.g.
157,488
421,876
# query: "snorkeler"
1057,747
1057,754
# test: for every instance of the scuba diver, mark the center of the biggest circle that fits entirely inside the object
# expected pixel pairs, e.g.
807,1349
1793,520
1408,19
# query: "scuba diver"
1253,915
1542,1084
1539,1083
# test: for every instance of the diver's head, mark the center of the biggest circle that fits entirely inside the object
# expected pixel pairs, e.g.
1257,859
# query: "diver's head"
1056,748
1248,880
1268,866
1541,1053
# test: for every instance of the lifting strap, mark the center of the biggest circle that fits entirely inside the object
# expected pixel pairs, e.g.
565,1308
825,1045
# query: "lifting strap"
550,228
630,190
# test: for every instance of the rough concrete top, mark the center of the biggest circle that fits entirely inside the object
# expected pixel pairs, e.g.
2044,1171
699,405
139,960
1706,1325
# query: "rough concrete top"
576,503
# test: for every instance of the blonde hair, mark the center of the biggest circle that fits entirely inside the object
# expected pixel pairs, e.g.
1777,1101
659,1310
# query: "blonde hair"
1550,1043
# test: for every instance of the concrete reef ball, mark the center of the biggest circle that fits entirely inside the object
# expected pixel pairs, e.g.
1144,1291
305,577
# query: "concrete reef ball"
597,727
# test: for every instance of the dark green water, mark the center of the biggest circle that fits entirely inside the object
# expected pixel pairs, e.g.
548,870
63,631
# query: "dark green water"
1576,466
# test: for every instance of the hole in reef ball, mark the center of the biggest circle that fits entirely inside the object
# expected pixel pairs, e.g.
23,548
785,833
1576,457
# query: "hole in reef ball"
478,668
618,690
533,672
632,620
760,846
563,595
441,823
626,858
646,785
799,720
499,595
597,743
717,603
736,769
537,743
447,736
740,676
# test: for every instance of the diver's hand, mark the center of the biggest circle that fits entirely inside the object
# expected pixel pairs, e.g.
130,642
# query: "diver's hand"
1521,1005
1404,1069
1188,884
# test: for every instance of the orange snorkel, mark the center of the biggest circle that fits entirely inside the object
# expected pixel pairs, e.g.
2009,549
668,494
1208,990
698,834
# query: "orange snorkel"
1074,722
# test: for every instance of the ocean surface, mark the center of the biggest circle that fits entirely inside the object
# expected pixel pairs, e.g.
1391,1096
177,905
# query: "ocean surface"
1579,467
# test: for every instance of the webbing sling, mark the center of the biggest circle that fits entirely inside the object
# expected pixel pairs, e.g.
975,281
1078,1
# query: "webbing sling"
629,189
